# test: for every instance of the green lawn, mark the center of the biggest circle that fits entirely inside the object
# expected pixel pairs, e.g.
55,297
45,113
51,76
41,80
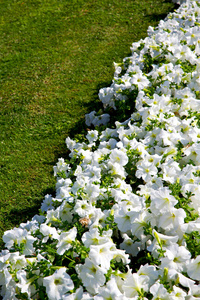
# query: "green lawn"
55,55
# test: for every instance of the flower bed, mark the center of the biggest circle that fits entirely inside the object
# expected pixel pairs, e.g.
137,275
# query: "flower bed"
124,223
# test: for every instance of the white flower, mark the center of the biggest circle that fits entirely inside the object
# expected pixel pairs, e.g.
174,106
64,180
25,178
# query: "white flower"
93,172
92,276
194,293
116,170
92,136
140,80
161,239
172,221
134,284
97,218
118,156
48,232
171,171
102,254
179,277
146,170
110,291
65,211
159,291
123,217
78,295
176,257
86,156
92,191
58,284
92,237
177,294
130,246
19,236
83,208
101,120
53,216
61,166
162,200
89,118
17,260
5,276
107,134
193,268
65,240
8,291
47,203
140,221
70,143
25,284
63,193
150,273
106,97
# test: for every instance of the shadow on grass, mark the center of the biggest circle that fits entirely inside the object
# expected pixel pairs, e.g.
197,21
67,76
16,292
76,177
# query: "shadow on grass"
157,17
22,215
80,129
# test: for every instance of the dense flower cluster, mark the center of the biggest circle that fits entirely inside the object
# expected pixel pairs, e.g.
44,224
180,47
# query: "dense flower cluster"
125,220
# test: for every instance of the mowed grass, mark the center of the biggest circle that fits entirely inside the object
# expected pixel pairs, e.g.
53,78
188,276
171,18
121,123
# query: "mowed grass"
55,55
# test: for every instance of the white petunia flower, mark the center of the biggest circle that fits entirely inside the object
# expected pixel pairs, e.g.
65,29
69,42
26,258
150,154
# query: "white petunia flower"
110,291
65,240
139,80
162,201
92,136
140,221
134,284
83,208
116,170
78,295
48,232
25,284
47,203
194,292
106,96
63,193
92,276
93,237
130,246
8,291
18,236
146,170
161,239
58,284
101,255
176,257
53,216
172,220
118,156
123,216
193,268
61,166
65,213
149,271
159,291
17,260
178,294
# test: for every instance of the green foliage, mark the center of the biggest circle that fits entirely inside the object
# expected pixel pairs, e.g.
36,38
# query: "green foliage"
183,202
193,243
125,107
